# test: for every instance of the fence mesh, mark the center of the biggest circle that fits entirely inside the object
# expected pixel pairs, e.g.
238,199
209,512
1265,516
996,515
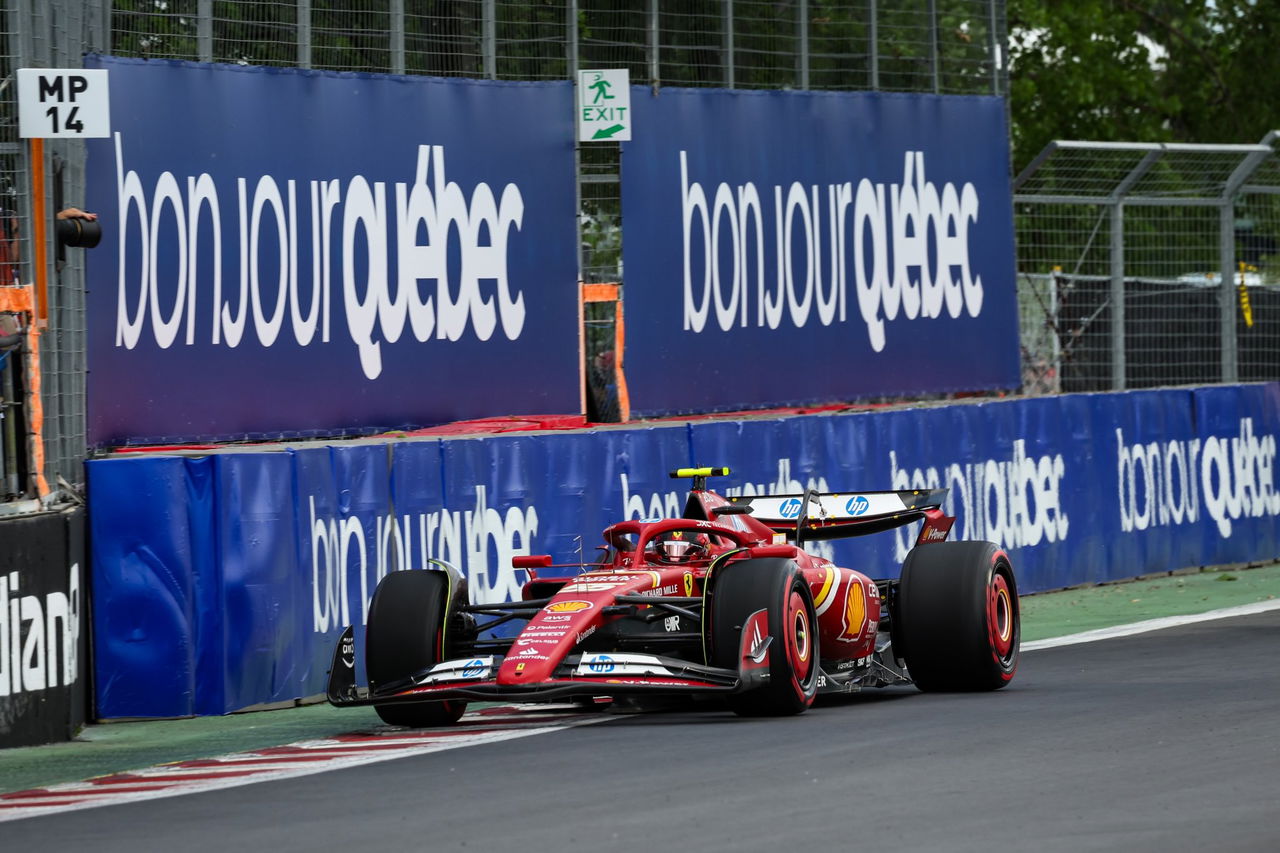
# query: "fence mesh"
1148,265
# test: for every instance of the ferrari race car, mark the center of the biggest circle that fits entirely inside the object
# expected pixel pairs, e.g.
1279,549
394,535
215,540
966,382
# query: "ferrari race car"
723,600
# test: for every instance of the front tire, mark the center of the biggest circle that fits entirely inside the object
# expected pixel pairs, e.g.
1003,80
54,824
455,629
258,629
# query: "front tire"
777,586
957,625
405,635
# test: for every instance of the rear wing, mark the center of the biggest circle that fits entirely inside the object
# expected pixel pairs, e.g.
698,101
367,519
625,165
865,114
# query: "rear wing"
835,515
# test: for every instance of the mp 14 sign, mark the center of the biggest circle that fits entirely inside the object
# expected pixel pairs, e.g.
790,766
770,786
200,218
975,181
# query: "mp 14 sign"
62,103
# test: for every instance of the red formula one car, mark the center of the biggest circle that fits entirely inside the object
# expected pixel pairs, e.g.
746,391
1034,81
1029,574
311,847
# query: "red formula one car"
723,600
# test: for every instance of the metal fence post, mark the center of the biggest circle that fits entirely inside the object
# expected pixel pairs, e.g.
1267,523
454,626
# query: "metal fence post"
489,39
728,43
204,30
934,64
1117,297
652,23
994,47
1227,291
802,27
304,33
396,36
572,35
873,44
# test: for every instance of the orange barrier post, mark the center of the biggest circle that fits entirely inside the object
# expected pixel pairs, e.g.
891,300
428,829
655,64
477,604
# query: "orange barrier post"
605,293
39,233
18,300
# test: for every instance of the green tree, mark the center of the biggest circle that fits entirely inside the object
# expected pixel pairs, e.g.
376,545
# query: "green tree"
1144,70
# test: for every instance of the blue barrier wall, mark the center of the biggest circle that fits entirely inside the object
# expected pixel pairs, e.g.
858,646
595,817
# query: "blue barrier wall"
223,581
291,252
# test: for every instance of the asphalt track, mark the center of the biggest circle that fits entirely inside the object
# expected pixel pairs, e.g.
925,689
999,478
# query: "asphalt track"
1164,741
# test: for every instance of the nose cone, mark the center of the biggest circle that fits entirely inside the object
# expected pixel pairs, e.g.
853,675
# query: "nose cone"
576,611
550,636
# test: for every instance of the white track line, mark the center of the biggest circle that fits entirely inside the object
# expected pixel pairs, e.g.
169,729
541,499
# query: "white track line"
330,754
1151,625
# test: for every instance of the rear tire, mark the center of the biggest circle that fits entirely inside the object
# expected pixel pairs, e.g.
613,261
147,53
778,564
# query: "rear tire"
957,625
775,585
405,636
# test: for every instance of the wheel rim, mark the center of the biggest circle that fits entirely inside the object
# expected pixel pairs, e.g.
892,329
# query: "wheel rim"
1000,616
799,637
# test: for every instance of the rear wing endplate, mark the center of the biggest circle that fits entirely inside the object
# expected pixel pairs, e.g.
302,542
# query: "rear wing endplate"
834,515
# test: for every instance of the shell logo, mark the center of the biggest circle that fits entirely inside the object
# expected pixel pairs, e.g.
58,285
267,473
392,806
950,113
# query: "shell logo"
855,610
568,606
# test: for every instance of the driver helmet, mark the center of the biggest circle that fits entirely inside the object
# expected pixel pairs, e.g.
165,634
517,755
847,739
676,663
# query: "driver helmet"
679,546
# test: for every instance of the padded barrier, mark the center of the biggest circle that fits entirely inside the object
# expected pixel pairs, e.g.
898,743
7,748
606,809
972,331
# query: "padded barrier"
222,582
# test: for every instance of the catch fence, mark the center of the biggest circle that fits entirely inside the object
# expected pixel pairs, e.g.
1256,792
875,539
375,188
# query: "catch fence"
1146,265
940,46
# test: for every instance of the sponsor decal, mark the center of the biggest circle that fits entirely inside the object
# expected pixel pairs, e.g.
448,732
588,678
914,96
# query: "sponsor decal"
556,618
688,584
790,508
1014,501
894,221
1165,483
591,586
350,554
606,581
671,624
600,664
374,309
857,505
474,668
669,589
933,534
587,633
348,653
48,656
571,606
855,609
620,664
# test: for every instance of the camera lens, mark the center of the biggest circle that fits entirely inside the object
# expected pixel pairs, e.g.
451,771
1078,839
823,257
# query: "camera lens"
79,233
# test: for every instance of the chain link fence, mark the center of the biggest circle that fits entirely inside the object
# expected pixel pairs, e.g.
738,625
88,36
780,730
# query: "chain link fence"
942,46
1146,265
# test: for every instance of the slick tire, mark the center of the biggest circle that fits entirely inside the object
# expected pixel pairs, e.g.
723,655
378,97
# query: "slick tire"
404,636
775,585
957,626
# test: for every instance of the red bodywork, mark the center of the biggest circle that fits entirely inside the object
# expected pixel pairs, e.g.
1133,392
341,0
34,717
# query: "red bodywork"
580,630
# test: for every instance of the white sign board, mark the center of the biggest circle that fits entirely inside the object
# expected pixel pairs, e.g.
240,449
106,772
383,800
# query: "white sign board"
63,103
604,106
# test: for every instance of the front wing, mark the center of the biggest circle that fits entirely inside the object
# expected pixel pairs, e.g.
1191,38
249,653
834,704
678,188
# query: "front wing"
579,674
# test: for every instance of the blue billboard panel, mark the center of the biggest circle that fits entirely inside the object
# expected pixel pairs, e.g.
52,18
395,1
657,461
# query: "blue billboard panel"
798,247
291,252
